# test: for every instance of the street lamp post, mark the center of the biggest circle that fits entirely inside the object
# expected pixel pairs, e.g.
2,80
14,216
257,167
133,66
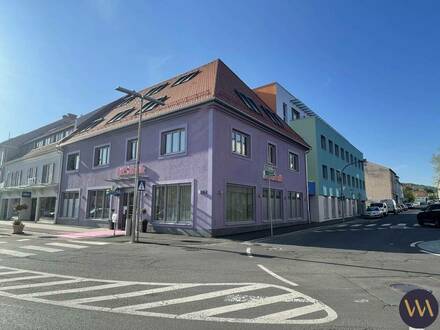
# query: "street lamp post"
363,161
135,213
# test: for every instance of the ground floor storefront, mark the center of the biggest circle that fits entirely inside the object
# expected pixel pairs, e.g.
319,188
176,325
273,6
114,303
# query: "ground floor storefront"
324,208
40,203
179,207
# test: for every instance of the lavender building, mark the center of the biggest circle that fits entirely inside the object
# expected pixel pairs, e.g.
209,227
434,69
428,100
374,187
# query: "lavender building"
203,155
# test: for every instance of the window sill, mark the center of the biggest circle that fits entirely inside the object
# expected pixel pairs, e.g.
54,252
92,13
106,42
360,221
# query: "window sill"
239,223
240,156
176,154
100,167
72,171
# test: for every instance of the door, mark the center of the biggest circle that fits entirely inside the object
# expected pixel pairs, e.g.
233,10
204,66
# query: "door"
33,208
4,209
125,208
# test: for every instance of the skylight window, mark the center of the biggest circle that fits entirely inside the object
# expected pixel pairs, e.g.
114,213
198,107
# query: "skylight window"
156,89
185,78
120,115
92,124
152,105
248,102
273,116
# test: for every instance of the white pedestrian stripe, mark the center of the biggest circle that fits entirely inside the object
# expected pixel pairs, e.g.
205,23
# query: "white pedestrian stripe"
356,225
401,224
371,225
386,225
293,311
88,242
416,225
40,248
23,239
15,253
67,245
3,242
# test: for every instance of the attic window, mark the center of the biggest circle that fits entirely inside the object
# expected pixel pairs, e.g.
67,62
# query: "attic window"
185,78
92,124
248,102
156,89
120,115
152,105
273,116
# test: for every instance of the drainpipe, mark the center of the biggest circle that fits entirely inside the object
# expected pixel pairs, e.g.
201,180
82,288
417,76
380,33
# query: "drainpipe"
307,189
60,175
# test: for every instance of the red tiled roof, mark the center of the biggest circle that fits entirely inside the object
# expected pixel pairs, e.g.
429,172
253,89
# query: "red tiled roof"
214,81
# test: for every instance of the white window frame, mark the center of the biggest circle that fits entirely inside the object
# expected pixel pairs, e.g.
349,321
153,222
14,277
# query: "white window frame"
288,161
126,150
67,161
62,202
109,155
276,153
171,129
249,149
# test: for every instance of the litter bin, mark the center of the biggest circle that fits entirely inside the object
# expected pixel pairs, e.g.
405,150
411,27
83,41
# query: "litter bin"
144,225
111,225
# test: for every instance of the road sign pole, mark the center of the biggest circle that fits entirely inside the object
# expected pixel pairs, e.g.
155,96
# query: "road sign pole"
270,210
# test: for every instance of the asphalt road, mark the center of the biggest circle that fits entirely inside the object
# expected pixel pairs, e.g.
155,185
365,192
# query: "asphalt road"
342,276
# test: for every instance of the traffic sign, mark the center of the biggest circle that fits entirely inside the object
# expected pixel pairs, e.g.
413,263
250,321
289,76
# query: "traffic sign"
269,170
141,185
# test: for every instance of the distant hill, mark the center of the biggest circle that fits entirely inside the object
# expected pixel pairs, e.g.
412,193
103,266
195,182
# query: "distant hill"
415,186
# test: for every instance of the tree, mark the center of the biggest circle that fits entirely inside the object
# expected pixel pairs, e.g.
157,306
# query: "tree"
408,194
436,164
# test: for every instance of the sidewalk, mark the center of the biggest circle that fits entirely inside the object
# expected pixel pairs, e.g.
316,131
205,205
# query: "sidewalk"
62,230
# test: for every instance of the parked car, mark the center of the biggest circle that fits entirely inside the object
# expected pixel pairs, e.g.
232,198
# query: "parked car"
409,205
403,207
431,214
373,212
382,206
391,204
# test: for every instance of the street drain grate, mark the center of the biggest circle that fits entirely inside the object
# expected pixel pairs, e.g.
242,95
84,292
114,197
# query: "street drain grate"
404,287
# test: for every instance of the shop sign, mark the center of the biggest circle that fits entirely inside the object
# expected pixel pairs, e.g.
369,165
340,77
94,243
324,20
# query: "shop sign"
26,194
130,170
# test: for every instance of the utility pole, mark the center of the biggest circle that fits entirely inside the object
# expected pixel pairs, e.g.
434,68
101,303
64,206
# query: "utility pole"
135,213
363,161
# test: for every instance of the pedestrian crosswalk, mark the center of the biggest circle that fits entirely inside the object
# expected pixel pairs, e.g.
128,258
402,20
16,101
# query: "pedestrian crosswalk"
250,303
367,227
23,249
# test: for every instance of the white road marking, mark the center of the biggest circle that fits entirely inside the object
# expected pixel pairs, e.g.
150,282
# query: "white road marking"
432,253
3,242
282,279
290,298
356,225
416,225
74,290
38,285
16,253
87,242
401,224
66,245
11,272
30,277
386,224
249,252
40,248
23,239
371,225
198,297
413,244
130,294
236,307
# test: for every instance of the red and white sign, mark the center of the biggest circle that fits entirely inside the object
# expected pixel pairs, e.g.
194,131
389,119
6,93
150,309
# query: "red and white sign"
275,178
130,170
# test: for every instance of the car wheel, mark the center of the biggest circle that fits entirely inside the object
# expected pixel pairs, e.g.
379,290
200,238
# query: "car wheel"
421,223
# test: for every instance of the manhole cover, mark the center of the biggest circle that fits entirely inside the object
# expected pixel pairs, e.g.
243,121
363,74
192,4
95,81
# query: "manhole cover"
405,287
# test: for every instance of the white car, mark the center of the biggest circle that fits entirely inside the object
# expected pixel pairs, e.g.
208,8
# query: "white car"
391,204
373,212
382,206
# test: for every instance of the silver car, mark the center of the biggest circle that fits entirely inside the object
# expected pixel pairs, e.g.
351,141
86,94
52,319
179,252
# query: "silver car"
373,212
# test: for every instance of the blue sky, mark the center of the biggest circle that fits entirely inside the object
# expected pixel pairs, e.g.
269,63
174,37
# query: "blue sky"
370,68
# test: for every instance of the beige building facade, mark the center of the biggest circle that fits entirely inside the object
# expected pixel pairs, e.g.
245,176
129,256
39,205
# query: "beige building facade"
382,182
